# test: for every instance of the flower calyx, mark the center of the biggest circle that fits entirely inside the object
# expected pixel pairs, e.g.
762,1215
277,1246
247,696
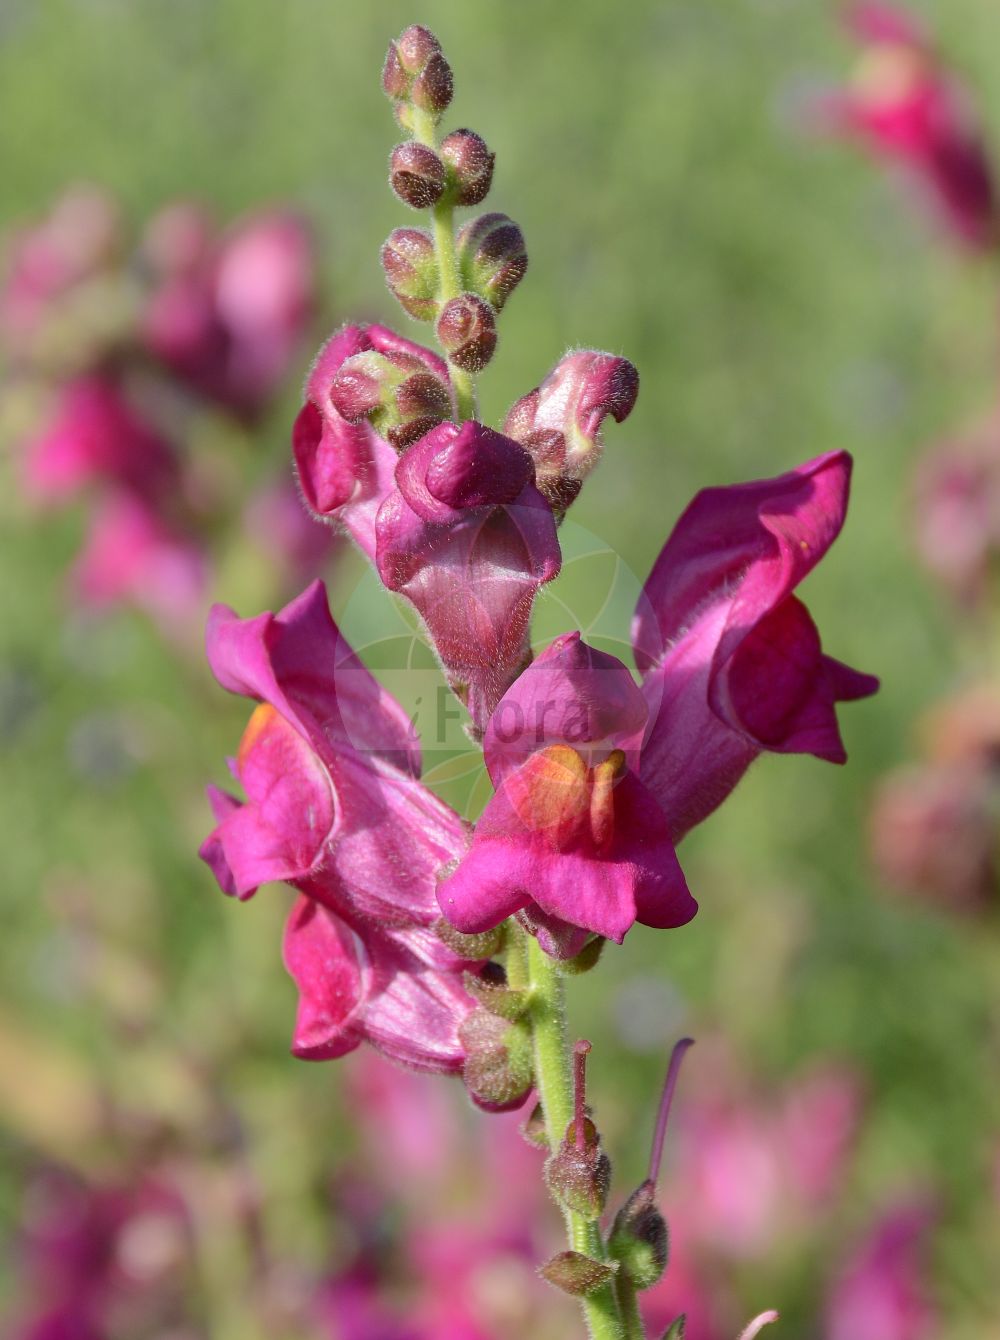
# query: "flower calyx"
498,1071
639,1239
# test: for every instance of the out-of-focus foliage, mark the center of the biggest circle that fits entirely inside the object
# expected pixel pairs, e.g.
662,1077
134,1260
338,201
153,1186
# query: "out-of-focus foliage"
780,299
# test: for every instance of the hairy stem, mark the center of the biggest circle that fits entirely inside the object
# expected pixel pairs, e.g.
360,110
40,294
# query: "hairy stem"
628,1303
552,1079
449,282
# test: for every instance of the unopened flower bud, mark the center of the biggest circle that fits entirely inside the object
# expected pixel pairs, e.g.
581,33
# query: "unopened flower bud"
492,257
411,271
416,174
483,945
579,1172
639,1239
498,1068
559,422
677,1328
432,90
577,1274
469,166
416,46
408,60
467,331
395,392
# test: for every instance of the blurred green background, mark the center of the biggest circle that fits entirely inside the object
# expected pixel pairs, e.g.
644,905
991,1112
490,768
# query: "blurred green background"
779,299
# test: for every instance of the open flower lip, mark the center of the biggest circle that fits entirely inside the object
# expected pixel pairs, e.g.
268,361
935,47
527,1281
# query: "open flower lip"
732,661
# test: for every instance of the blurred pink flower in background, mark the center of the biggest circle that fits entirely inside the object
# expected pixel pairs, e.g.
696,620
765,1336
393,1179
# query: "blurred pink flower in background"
95,436
907,108
956,510
55,273
114,345
132,555
227,314
934,833
751,1170
101,1259
882,1292
934,828
296,544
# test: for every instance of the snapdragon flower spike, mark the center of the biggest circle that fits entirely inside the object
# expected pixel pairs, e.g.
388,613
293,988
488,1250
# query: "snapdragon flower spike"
572,836
559,422
906,108
398,989
329,764
468,539
731,659
346,468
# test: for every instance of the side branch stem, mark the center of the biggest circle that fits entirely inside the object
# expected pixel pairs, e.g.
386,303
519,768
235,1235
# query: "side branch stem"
552,1079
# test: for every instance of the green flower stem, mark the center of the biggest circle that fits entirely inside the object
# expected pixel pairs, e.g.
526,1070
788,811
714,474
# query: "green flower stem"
449,281
552,1080
628,1303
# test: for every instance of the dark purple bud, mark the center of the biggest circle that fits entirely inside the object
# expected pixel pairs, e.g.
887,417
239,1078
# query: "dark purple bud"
492,257
467,331
579,1173
416,45
396,79
469,165
411,271
498,1069
639,1240
484,945
394,391
416,74
577,1274
432,89
416,174
406,59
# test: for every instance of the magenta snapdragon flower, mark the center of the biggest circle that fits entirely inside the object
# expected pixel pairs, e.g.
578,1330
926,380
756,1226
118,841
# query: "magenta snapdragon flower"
571,830
330,767
731,659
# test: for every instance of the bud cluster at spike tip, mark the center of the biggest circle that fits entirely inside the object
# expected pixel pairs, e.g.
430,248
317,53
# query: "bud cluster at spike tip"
416,75
597,774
